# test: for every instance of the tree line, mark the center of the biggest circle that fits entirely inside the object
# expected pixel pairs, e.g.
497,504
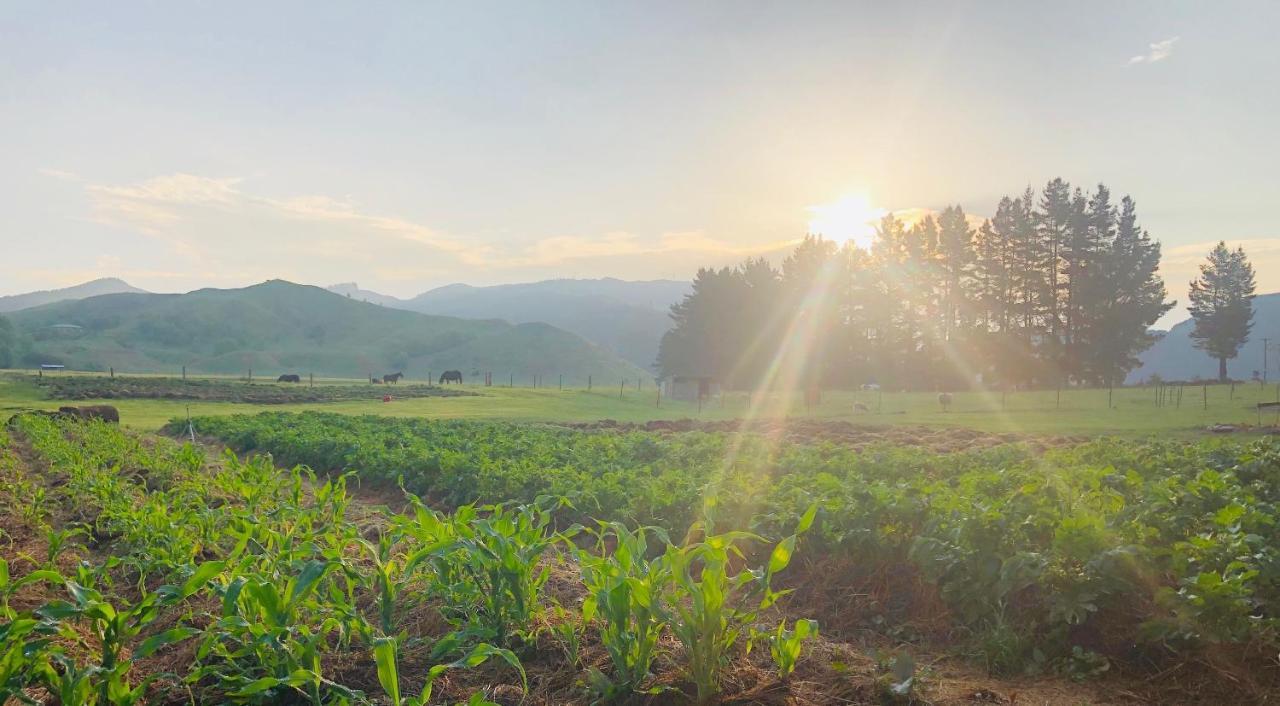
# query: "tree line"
1058,287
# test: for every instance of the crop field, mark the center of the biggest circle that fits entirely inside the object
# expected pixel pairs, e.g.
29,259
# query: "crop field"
1138,412
468,561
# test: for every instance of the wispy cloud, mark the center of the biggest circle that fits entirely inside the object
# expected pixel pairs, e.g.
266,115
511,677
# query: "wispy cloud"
1157,51
1180,264
58,174
220,222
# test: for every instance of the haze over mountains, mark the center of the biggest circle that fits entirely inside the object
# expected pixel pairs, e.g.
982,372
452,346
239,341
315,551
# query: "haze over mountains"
106,285
1174,357
279,327
624,319
628,318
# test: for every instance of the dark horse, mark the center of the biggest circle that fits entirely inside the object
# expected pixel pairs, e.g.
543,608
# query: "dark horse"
289,378
393,378
451,376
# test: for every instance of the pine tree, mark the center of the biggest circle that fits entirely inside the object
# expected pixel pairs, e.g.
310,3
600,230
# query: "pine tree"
1130,297
1222,304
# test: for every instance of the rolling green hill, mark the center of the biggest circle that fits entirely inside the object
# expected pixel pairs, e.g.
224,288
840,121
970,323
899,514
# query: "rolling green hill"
279,326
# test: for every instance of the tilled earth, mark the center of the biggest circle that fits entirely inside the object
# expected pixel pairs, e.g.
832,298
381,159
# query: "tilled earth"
941,439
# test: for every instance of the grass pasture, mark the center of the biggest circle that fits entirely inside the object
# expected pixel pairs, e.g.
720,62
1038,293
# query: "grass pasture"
1133,410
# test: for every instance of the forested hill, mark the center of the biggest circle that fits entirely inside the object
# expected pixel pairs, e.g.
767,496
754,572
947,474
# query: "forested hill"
626,317
279,326
1175,357
106,285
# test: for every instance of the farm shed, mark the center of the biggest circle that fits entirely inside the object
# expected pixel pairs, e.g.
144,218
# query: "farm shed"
690,387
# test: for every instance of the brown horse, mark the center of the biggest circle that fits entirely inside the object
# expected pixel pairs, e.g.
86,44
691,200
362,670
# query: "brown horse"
393,378
451,376
289,378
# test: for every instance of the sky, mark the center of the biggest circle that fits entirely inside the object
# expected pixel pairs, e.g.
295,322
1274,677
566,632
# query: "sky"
410,145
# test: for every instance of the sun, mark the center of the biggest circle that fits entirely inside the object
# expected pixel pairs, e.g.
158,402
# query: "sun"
851,218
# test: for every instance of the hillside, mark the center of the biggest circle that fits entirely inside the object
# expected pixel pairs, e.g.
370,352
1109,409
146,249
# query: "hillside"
1175,356
106,285
278,327
627,318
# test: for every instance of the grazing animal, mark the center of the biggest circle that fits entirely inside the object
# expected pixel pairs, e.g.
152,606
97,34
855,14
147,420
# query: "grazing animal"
393,378
870,387
944,399
375,381
859,407
106,413
289,378
451,376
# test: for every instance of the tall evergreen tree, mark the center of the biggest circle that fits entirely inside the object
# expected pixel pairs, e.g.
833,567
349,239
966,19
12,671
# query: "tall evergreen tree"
1222,304
1130,297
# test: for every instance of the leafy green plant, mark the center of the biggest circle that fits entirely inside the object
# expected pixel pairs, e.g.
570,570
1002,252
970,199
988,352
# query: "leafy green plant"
386,655
626,591
785,645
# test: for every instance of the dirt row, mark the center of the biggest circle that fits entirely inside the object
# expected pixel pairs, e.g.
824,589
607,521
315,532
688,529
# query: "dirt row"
844,433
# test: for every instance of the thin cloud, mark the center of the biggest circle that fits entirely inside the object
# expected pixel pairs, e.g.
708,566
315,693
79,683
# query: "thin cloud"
1157,51
219,221
58,174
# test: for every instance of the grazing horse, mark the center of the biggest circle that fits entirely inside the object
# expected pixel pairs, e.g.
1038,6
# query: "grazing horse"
859,407
289,378
451,376
106,413
393,378
944,399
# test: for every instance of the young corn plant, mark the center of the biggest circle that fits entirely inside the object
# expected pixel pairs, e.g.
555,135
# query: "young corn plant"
106,682
712,608
626,591
785,645
268,642
485,567
386,653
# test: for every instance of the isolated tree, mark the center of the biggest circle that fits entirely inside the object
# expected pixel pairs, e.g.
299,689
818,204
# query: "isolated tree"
1222,304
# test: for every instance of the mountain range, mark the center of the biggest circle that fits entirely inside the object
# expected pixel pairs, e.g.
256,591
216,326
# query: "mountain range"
106,285
622,319
279,327
1175,357
627,318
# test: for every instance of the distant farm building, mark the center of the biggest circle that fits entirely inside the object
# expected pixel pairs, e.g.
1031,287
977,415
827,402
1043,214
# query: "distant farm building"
690,388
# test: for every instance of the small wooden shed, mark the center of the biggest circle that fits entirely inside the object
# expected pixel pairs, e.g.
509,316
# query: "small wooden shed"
690,388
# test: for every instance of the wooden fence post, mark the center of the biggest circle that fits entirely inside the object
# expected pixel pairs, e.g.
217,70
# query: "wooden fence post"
621,386
184,372
561,381
588,383
1204,389
312,378
113,373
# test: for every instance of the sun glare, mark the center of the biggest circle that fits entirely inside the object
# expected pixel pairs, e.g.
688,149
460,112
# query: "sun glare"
851,218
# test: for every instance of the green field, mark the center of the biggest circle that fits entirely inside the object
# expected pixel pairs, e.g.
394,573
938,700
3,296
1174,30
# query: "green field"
1133,413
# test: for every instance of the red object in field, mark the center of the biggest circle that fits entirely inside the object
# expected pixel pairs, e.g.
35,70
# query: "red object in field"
386,398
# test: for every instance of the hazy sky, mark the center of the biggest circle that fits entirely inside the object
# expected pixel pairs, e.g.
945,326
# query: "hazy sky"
180,145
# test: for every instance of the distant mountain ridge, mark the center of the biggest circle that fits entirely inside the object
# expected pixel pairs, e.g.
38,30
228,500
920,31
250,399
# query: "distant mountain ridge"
279,327
626,317
1175,357
105,285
